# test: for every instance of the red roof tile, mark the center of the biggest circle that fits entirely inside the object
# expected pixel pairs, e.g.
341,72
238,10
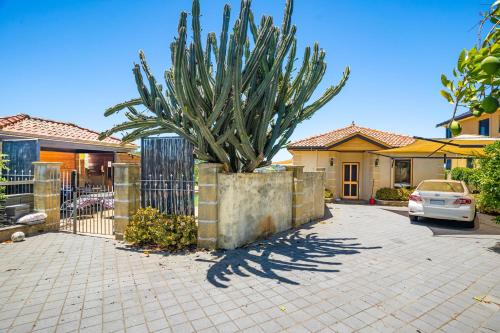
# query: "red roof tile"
25,125
327,139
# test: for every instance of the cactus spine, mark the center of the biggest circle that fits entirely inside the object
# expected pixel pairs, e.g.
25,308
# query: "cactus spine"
241,111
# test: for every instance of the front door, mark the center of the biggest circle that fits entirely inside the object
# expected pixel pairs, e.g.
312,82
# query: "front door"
350,180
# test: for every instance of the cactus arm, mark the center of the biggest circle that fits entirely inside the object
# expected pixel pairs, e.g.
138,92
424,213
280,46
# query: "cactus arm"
226,85
215,48
121,106
177,70
327,96
287,18
205,132
237,110
253,27
277,64
203,75
154,86
266,117
143,91
221,59
258,54
208,53
288,72
303,69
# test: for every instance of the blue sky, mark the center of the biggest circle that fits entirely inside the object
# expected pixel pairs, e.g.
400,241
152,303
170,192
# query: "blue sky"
69,60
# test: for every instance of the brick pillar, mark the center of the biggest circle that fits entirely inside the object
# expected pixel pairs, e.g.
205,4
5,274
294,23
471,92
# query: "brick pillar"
47,192
208,205
127,195
298,194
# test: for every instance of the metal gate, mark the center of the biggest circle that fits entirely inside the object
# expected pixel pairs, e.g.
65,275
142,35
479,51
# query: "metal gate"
87,210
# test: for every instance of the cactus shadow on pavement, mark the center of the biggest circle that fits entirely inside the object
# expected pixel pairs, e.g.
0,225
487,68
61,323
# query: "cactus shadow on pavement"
283,257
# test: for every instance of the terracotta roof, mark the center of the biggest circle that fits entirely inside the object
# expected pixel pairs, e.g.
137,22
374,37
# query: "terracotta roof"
326,140
25,125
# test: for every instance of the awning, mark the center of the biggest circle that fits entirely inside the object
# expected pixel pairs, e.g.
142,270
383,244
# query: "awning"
460,146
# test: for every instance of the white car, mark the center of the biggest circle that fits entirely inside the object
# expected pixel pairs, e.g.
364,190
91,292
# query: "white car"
442,199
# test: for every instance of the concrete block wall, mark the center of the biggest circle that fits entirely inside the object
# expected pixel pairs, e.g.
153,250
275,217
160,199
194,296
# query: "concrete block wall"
252,206
236,209
314,199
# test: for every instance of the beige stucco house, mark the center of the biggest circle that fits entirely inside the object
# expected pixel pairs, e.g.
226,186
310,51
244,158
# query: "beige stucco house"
353,168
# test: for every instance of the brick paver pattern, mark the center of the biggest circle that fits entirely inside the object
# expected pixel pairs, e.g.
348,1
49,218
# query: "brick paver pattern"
364,269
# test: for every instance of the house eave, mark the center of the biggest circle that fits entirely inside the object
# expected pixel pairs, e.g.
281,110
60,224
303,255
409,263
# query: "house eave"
69,144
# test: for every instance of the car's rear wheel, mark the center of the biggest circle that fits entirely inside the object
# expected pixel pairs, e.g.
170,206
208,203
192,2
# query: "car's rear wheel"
413,218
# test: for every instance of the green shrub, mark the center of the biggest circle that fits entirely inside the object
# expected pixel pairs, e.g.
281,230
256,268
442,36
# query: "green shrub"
404,193
179,232
149,227
393,194
328,194
488,180
467,175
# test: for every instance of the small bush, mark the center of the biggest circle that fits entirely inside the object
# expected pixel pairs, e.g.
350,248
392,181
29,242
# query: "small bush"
328,194
149,227
393,194
179,232
404,193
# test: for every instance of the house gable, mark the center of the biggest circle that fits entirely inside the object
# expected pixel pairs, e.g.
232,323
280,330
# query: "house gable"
357,142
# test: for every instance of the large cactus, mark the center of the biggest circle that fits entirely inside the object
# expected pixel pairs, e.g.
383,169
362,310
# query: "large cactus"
238,100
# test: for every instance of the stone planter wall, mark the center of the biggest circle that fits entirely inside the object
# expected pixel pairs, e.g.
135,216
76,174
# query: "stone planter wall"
252,206
236,209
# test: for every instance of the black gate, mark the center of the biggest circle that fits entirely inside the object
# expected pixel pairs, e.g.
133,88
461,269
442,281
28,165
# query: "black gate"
86,210
167,175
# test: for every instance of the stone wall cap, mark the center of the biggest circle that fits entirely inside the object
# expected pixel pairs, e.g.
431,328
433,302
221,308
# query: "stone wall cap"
256,174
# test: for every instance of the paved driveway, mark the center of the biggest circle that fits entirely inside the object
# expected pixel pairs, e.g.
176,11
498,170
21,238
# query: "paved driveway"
365,269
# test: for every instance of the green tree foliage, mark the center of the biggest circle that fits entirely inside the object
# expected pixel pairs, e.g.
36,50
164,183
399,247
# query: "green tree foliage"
239,98
489,179
467,175
477,75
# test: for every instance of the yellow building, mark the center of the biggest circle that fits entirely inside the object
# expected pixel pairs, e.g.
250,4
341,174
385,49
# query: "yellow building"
353,168
487,125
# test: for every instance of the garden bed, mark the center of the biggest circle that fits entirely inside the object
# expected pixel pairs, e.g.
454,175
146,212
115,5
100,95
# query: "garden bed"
394,203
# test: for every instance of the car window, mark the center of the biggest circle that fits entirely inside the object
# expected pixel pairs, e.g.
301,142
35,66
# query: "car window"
441,187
